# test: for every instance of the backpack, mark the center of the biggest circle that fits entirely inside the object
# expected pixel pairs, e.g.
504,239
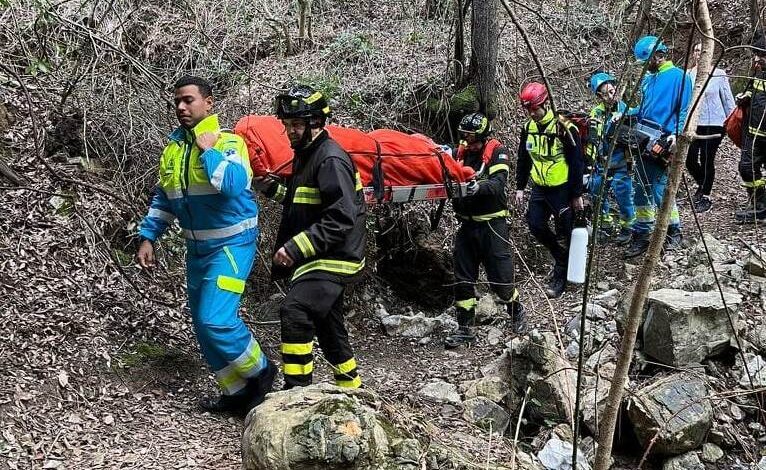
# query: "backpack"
733,125
581,121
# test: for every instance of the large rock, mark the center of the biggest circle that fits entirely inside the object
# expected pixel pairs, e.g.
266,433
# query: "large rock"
488,310
492,388
686,327
688,461
673,412
557,455
755,266
322,427
698,256
594,395
756,370
536,363
486,414
415,326
440,390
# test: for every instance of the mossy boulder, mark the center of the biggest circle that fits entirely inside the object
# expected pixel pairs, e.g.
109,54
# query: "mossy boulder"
323,427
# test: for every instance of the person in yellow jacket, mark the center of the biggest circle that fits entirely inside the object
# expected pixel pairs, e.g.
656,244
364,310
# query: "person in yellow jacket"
549,153
204,182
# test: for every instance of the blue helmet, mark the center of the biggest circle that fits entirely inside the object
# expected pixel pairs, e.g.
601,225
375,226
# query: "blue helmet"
644,47
599,79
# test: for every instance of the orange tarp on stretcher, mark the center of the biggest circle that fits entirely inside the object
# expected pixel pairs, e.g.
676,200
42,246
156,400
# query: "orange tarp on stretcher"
403,159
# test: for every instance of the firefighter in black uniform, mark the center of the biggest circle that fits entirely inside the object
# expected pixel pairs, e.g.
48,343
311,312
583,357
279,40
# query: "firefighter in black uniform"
321,240
483,234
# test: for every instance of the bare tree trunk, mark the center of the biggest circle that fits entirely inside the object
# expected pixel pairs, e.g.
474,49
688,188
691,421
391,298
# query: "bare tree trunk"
641,289
304,21
484,38
459,44
755,16
642,20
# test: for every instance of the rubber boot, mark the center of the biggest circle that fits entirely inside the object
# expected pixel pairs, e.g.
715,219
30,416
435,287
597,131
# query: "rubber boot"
518,317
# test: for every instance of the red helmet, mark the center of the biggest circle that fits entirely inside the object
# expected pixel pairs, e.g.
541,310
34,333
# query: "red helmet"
533,95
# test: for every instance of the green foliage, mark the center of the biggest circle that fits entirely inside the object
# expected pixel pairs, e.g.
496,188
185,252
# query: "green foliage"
38,66
328,84
351,47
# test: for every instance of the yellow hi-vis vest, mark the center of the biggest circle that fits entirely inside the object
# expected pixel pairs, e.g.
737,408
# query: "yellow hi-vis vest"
549,166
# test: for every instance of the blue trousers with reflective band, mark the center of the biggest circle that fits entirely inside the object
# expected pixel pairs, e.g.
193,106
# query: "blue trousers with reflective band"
650,181
215,282
621,184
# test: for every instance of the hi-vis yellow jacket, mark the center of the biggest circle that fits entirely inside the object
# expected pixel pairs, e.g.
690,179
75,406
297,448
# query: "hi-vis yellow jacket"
208,192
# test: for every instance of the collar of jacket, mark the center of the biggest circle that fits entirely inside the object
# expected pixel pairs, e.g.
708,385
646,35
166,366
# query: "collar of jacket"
667,65
309,149
542,123
209,124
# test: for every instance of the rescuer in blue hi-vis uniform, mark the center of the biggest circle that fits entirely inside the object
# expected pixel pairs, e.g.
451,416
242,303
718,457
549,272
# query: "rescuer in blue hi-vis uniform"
603,119
320,243
204,182
666,94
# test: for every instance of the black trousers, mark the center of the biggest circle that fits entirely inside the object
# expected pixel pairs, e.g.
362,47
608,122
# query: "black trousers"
482,243
700,161
314,307
752,159
545,203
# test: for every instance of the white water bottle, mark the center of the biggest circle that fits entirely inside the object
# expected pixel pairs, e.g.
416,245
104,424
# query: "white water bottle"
578,255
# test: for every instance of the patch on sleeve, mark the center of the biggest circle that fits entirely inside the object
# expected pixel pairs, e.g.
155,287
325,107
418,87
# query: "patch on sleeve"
230,152
502,156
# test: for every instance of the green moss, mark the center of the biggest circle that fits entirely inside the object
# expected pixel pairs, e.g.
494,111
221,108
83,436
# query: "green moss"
465,100
145,353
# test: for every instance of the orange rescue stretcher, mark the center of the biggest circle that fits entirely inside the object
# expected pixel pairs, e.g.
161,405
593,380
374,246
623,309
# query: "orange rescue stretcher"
394,166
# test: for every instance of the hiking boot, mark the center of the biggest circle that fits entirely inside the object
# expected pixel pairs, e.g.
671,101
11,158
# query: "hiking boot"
462,337
703,204
260,385
672,240
623,238
518,318
638,245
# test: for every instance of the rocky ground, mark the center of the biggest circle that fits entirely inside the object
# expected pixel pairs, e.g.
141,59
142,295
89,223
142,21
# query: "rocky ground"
100,366
113,384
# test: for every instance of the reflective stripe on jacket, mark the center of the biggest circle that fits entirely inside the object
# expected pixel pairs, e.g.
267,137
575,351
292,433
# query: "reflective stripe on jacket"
491,200
549,166
208,192
323,219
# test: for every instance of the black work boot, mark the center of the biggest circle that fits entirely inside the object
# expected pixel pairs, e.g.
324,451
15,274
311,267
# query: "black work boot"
464,336
557,283
638,245
673,239
518,317
260,385
746,213
224,403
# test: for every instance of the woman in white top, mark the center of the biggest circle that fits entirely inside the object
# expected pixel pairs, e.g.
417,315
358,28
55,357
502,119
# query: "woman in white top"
715,105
